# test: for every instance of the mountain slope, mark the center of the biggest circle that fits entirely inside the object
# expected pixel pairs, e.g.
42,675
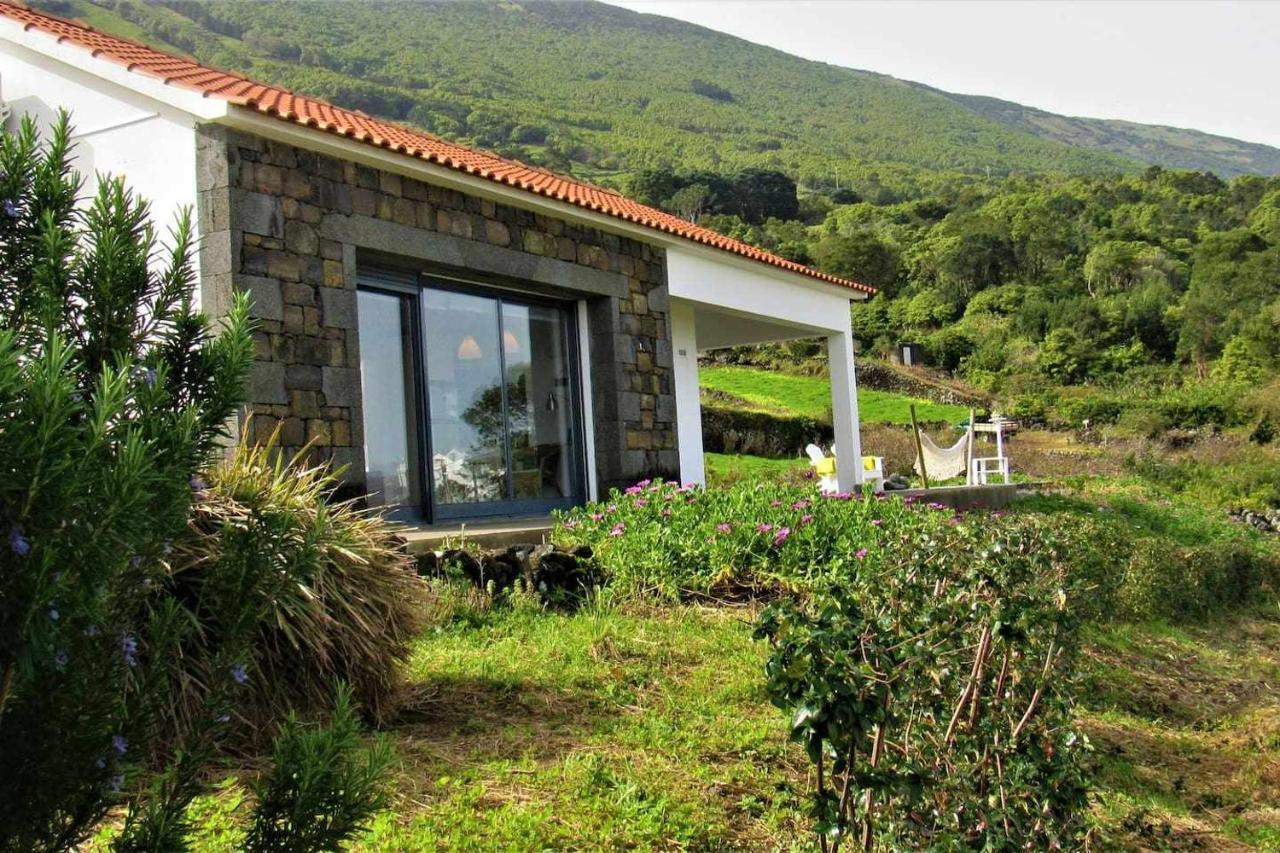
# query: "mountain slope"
603,91
1174,147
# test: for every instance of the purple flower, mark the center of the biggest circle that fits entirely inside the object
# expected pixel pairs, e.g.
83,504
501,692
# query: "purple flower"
117,782
936,505
800,505
618,529
20,544
806,519
763,528
101,764
595,516
723,527
239,673
11,208
119,744
782,535
641,502
861,554
129,646
60,660
92,631
644,483
634,490
135,560
198,484
54,615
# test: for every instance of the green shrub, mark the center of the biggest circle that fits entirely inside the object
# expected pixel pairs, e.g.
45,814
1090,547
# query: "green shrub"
323,786
335,594
934,694
113,394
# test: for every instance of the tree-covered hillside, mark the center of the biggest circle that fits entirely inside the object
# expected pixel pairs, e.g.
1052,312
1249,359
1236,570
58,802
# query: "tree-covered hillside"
597,89
1165,146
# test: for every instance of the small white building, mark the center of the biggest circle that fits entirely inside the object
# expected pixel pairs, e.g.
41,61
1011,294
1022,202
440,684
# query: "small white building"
474,337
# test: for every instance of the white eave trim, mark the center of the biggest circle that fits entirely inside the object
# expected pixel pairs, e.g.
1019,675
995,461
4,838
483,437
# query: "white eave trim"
82,59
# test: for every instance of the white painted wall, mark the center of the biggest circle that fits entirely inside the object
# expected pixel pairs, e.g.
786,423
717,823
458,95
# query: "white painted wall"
684,358
718,303
116,131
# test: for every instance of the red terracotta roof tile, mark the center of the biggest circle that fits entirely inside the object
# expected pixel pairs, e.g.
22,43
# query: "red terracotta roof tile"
310,112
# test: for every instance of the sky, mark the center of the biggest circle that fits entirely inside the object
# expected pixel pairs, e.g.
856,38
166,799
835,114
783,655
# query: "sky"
1211,66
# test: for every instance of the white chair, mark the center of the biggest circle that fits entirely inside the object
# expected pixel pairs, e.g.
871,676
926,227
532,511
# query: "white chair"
825,467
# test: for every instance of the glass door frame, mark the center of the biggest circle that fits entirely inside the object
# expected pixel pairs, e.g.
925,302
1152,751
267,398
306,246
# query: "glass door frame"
411,287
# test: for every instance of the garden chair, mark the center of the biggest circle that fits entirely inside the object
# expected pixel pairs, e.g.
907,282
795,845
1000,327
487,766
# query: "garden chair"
825,468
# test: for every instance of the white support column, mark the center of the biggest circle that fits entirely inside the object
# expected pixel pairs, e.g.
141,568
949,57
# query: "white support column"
844,409
684,359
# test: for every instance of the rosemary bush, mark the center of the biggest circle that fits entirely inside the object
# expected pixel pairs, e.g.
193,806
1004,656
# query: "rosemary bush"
113,395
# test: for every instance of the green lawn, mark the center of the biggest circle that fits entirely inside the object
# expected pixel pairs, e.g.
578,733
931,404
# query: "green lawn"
648,728
726,468
810,396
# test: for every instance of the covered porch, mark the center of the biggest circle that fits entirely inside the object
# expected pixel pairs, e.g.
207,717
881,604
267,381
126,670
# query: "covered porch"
716,304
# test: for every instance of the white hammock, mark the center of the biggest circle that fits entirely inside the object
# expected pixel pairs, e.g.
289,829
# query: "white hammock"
943,463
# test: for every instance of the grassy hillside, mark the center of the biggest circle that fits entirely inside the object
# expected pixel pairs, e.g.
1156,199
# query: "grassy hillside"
595,88
810,396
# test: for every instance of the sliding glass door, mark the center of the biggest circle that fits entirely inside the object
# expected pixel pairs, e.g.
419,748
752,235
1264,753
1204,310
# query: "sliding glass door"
500,404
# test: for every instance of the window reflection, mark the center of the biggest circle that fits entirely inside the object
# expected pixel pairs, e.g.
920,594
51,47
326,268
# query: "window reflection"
386,377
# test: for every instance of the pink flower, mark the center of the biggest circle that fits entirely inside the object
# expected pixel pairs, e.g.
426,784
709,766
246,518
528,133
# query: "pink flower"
666,512
861,554
997,514
618,529
611,508
909,499
570,524
876,522
806,519
723,528
800,505
634,490
763,528
782,535
936,505
641,502
643,483
595,516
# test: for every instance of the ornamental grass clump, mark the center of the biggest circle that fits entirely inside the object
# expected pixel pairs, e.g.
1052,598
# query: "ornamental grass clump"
338,596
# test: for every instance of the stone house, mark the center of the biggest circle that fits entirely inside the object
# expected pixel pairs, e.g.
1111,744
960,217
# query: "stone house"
473,337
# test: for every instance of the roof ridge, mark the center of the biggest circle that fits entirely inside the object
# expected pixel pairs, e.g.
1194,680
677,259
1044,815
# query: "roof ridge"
280,103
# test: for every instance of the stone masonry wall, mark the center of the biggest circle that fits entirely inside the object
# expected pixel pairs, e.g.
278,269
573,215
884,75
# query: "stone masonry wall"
292,227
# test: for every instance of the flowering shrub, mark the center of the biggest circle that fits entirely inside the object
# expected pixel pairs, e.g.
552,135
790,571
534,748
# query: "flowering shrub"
674,540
